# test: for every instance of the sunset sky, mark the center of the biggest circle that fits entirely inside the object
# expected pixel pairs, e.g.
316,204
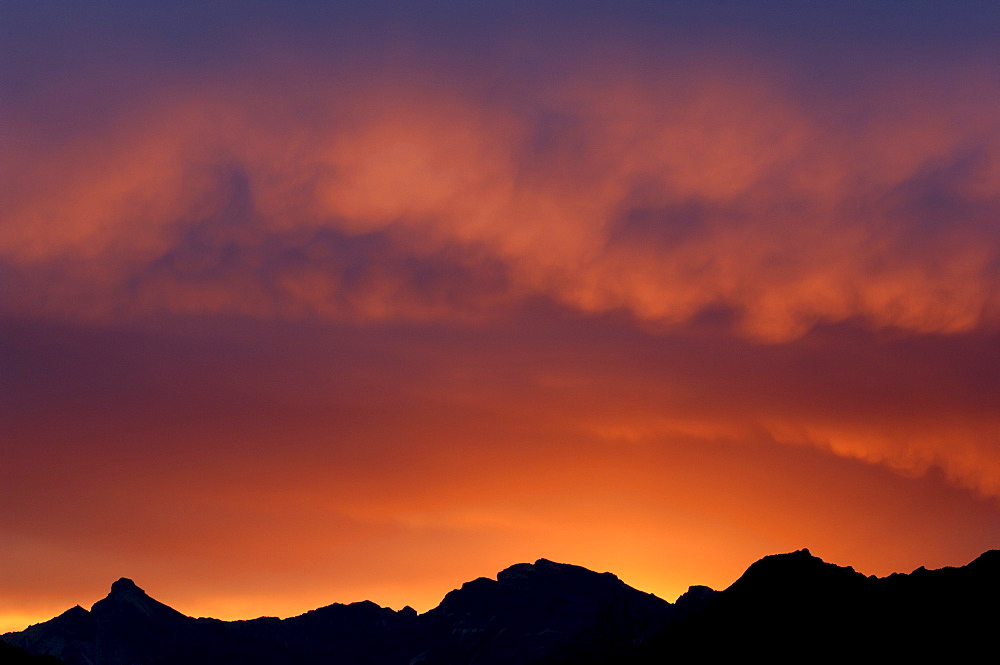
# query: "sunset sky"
309,302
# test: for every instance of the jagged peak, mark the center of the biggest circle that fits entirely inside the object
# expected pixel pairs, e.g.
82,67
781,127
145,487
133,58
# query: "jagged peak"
783,568
125,585
478,583
550,565
127,594
988,559
359,608
76,609
73,615
125,590
695,598
697,591
547,567
798,556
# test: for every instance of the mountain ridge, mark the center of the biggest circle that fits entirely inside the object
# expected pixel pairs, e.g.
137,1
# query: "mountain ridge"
549,613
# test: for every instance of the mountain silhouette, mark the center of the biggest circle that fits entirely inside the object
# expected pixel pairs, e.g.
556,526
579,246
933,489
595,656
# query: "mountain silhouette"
541,612
785,607
796,607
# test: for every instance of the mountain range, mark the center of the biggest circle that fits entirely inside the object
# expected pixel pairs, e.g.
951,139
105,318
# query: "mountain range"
785,607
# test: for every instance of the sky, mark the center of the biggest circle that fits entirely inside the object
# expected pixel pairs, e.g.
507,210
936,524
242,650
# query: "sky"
311,302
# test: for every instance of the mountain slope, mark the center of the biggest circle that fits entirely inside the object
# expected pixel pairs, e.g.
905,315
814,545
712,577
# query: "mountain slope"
532,613
785,607
796,607
541,612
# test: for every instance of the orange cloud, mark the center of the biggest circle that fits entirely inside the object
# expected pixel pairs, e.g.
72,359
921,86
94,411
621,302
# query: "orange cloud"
711,189
372,246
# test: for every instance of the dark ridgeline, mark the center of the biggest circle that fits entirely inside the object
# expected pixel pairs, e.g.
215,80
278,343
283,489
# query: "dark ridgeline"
786,607
796,607
541,613
532,613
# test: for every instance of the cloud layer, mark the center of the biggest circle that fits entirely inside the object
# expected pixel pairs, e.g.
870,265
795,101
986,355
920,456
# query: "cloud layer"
423,196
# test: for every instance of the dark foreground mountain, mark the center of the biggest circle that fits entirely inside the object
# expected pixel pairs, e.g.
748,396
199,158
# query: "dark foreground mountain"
785,607
11,655
532,613
797,608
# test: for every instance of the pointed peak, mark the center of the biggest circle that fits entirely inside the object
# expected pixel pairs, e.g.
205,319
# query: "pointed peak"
126,596
524,570
74,613
479,584
698,590
552,571
792,568
695,598
125,585
799,556
128,591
